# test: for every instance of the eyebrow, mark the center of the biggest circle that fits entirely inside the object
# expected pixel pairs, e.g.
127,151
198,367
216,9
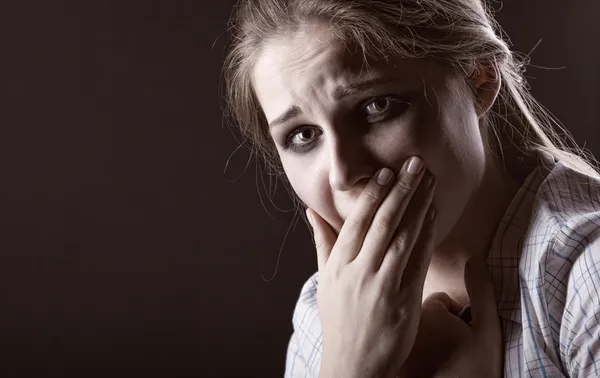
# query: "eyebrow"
338,94
289,114
354,88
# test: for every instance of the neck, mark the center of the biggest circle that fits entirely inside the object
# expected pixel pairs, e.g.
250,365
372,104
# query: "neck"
473,234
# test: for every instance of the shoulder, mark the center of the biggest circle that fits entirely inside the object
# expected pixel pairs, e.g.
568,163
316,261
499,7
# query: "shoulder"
565,214
567,200
563,219
564,237
564,232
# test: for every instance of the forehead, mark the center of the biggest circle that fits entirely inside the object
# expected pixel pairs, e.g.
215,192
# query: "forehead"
311,64
310,56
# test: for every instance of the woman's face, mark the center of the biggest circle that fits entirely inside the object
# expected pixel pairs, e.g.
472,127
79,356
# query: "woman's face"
336,122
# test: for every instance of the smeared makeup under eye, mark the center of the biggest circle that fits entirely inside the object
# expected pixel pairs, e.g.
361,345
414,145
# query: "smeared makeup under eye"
382,108
374,110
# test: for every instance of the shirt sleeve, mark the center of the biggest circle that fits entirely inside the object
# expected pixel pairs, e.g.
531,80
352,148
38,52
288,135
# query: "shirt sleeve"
304,351
580,333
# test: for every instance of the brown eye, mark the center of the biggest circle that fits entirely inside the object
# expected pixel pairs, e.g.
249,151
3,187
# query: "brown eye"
378,106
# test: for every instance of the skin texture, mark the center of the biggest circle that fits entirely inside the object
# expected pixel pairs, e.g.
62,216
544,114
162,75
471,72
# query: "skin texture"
441,125
371,276
334,134
330,176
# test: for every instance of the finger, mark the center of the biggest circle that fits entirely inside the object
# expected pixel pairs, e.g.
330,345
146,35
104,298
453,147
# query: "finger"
407,233
389,215
411,274
441,300
352,233
480,288
324,237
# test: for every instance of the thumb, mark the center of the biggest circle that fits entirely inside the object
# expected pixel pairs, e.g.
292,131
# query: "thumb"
480,288
323,235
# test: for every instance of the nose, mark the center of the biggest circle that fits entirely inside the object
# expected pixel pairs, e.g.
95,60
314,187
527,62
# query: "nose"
350,163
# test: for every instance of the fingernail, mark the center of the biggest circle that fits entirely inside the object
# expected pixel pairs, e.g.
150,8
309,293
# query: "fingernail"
384,177
415,165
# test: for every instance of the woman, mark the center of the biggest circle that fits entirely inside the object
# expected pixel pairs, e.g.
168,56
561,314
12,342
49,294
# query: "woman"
406,130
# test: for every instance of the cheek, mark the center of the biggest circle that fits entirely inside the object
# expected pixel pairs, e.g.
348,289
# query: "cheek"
451,196
454,152
311,185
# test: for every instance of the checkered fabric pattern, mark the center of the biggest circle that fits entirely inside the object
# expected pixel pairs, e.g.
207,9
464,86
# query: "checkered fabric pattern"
545,261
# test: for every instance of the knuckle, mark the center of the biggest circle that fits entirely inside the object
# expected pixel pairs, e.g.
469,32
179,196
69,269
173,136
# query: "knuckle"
405,184
382,224
402,315
371,196
399,242
353,224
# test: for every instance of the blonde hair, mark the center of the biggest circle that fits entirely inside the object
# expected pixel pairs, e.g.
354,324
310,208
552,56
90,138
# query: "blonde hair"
461,34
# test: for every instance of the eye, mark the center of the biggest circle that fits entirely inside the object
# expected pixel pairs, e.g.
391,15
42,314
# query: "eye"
378,106
384,108
303,136
301,139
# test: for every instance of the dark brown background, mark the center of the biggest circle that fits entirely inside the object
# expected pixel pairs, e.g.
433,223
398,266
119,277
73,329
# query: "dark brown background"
126,248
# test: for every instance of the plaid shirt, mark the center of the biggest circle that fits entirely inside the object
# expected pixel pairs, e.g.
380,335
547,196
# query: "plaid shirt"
545,261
